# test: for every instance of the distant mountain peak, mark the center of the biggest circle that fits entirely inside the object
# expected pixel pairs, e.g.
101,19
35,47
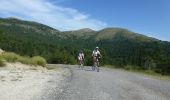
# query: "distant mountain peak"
13,18
104,34
115,29
85,30
111,33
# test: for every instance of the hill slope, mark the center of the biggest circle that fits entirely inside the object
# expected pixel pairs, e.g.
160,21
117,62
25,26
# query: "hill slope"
30,38
110,33
120,47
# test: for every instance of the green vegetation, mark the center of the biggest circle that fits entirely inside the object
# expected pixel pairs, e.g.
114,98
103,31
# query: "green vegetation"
120,47
37,60
129,67
151,73
12,57
137,69
1,62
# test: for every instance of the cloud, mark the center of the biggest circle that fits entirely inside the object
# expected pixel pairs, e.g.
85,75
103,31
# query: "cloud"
45,12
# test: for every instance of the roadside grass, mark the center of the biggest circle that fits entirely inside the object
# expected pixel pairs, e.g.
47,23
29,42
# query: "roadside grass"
151,74
13,57
25,60
1,62
38,60
135,69
10,57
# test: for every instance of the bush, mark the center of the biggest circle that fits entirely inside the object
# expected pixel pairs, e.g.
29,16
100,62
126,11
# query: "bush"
37,60
131,67
1,62
10,57
25,60
163,68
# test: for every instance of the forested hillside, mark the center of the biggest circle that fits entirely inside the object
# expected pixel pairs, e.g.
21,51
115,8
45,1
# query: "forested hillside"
119,47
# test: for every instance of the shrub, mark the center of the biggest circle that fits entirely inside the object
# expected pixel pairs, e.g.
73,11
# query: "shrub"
1,62
37,60
10,57
25,60
131,67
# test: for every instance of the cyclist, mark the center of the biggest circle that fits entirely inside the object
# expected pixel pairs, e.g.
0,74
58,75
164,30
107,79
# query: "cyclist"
80,58
96,56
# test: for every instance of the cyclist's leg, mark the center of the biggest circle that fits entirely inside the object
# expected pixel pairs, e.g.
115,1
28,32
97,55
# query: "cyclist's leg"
81,64
94,63
98,65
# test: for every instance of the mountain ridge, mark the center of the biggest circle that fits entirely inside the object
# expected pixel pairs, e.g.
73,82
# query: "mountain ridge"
119,47
111,31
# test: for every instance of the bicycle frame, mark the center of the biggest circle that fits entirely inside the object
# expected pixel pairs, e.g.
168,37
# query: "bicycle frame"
81,64
96,65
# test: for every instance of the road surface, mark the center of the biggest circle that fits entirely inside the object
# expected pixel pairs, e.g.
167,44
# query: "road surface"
109,84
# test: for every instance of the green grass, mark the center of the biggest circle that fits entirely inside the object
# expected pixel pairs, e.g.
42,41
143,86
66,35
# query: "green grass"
130,67
10,57
136,69
24,60
37,60
13,57
152,74
1,62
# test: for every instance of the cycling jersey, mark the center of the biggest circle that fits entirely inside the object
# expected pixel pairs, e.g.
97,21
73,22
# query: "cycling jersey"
95,53
80,56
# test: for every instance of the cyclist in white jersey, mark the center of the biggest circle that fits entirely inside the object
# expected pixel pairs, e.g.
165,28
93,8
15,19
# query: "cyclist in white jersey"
80,58
95,54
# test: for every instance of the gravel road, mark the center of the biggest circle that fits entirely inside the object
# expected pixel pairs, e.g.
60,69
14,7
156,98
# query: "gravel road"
109,84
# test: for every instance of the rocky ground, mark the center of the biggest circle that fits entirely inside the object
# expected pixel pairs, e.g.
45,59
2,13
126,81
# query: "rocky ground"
23,82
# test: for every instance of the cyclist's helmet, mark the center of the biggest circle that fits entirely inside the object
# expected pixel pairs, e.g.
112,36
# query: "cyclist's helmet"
97,47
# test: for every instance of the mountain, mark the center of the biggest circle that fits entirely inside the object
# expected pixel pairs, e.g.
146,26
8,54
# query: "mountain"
111,33
31,38
26,25
85,33
85,30
119,47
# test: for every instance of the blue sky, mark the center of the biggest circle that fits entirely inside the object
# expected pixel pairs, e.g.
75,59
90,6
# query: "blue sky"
149,17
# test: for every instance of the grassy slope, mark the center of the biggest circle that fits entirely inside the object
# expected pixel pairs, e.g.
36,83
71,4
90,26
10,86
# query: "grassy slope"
13,57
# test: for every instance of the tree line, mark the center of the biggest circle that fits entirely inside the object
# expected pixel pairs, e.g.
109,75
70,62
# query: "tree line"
61,48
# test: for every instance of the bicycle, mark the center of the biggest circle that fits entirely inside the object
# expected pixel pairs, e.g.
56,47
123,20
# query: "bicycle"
81,64
96,64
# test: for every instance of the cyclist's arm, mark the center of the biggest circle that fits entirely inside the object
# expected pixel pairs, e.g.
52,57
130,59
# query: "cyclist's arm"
99,54
92,54
83,56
